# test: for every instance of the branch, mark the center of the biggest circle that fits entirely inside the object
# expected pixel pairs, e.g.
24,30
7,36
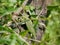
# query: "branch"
17,12
44,8
32,39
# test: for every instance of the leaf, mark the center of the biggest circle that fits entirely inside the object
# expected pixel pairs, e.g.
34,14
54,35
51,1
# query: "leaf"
13,1
30,27
13,41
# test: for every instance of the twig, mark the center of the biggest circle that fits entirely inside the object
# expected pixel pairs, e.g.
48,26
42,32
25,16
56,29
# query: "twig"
17,12
32,39
44,8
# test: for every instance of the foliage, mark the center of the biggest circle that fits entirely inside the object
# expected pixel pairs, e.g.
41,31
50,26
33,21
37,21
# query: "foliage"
23,30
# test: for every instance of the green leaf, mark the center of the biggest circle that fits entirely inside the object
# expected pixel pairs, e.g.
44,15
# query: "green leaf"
30,27
23,33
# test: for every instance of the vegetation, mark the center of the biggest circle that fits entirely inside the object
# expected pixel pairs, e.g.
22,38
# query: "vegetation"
19,24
